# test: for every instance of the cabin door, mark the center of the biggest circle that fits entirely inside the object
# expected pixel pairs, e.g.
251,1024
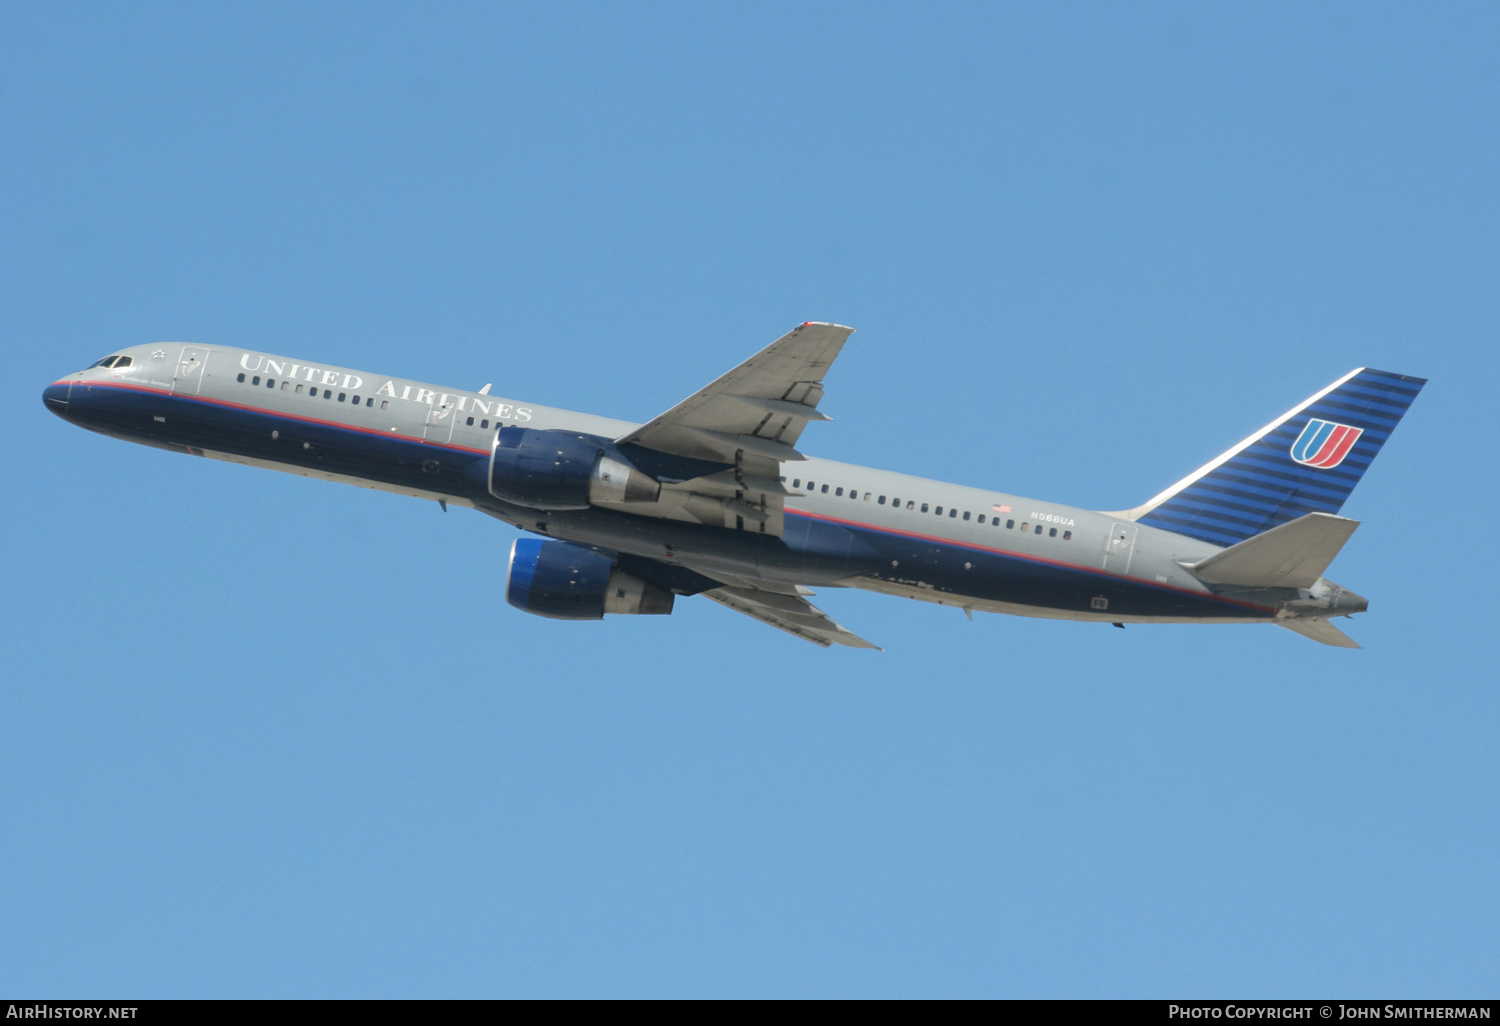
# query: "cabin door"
1119,544
440,418
187,376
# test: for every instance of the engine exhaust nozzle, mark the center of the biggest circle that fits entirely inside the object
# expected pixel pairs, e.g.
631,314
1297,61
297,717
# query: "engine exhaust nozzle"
614,481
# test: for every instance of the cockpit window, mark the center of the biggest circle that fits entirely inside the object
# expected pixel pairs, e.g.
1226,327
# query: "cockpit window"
123,361
104,362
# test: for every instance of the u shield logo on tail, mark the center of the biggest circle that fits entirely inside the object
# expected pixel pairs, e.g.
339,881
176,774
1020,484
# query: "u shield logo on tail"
1324,444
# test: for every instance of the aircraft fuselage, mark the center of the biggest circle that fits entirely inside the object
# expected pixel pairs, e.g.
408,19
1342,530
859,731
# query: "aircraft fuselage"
845,525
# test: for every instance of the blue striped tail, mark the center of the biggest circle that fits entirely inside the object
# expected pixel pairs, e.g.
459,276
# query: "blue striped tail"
1306,462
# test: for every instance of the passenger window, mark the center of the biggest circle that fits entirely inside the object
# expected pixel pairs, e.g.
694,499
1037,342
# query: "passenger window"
1008,524
241,380
1038,528
482,423
797,483
981,518
953,512
910,503
882,501
811,486
255,380
1052,532
924,507
285,385
836,491
298,389
966,514
1067,536
469,422
385,404
327,393
370,401
825,489
343,396
355,400
939,511
1025,527
867,497
123,361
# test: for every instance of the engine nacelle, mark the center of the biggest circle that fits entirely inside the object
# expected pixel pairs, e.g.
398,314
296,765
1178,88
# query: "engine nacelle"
553,470
568,582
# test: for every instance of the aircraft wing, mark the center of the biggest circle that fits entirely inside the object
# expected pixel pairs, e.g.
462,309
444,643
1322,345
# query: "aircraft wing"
750,419
760,407
781,605
790,613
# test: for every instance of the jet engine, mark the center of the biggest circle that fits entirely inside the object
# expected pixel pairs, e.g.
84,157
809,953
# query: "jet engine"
568,582
555,470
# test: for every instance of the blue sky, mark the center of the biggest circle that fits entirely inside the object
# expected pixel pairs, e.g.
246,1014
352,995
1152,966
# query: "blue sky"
271,737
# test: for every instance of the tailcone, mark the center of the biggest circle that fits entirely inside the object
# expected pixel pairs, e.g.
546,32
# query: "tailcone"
1326,599
1348,602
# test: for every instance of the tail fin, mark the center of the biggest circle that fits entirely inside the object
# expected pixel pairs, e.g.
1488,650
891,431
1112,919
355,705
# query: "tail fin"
1307,461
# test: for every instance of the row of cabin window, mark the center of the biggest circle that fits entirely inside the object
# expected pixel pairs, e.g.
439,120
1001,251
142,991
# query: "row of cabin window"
952,512
327,392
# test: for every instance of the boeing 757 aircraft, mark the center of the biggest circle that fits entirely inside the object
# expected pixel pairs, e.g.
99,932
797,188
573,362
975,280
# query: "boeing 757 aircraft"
714,498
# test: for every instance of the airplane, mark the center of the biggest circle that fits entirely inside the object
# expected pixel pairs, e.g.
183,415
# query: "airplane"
714,498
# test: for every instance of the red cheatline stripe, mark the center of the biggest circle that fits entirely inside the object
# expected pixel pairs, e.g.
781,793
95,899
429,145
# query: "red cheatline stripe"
815,516
1030,559
372,432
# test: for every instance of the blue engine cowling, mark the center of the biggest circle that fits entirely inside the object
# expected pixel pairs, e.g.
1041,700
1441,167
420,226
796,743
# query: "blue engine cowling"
554,470
568,582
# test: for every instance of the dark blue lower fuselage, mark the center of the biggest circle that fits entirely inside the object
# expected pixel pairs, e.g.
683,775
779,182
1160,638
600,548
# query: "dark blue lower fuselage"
814,549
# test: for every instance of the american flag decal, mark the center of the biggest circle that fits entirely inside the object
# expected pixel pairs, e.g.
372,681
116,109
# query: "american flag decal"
1000,509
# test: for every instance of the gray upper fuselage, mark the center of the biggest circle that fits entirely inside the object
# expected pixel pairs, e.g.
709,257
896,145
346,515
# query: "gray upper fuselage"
862,499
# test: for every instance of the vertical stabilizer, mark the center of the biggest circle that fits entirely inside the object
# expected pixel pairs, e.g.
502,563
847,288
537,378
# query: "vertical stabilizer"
1307,461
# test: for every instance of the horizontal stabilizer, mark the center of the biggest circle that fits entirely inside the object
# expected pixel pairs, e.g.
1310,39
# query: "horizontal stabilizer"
1293,555
1321,631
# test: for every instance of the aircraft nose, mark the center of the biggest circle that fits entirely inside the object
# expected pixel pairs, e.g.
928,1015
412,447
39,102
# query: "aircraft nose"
55,397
